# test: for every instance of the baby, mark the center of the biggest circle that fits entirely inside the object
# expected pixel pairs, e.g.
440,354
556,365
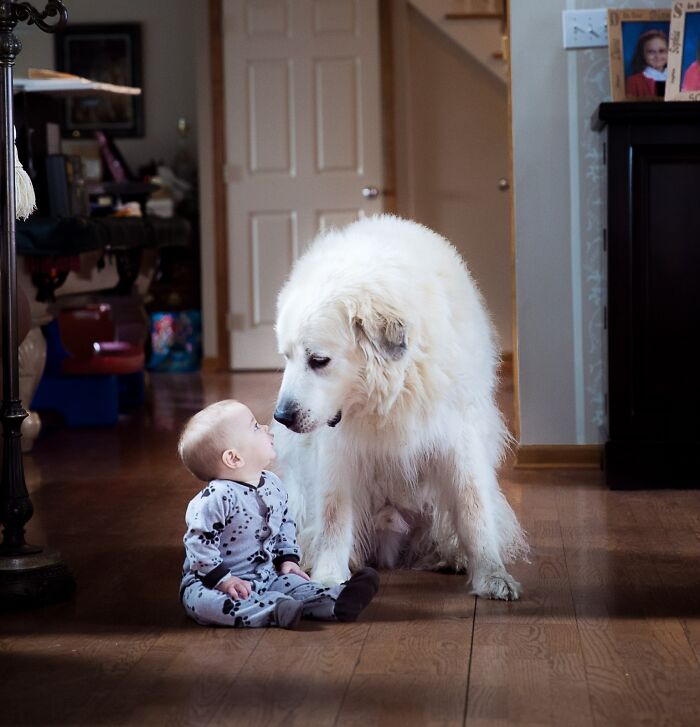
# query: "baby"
241,554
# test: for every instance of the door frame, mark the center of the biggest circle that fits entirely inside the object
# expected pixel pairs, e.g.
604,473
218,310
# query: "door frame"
513,284
222,361
218,139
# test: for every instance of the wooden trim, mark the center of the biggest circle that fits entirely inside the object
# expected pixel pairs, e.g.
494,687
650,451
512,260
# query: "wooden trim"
513,275
210,365
216,61
566,456
387,81
506,366
474,16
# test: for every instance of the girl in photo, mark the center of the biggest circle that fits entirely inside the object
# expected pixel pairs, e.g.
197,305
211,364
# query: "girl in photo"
649,64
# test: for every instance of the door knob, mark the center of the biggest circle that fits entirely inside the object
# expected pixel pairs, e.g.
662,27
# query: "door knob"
370,192
503,184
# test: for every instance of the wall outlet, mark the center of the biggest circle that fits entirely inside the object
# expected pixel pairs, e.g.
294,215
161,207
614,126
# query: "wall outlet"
585,28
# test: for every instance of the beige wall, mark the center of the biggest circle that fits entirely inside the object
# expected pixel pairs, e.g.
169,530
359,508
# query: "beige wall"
559,190
453,140
168,66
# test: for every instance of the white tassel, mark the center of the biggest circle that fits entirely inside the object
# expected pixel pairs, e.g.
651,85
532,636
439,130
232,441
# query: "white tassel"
25,200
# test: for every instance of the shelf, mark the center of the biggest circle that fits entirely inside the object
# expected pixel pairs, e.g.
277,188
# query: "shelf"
65,84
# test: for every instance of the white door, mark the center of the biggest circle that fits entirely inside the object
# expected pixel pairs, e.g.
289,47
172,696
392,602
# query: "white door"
303,138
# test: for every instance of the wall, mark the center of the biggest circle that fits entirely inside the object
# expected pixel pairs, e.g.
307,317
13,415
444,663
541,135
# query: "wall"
453,149
559,217
168,66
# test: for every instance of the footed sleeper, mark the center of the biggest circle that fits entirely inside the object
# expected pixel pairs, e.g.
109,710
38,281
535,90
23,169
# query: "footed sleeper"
236,529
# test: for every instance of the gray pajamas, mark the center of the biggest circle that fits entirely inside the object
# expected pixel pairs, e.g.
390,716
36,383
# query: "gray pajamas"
236,529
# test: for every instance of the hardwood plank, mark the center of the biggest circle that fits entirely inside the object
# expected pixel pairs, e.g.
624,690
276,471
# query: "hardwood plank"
640,666
299,685
414,665
528,675
527,659
296,677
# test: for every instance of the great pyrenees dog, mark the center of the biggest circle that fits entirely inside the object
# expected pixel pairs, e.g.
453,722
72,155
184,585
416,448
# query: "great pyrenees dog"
387,428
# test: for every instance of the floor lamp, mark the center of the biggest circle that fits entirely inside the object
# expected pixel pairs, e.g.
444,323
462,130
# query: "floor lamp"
29,574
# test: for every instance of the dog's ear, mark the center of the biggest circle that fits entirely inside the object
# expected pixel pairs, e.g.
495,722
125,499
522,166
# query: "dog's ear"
386,335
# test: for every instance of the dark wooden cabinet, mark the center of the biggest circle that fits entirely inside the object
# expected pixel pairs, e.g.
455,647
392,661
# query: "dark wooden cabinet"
653,311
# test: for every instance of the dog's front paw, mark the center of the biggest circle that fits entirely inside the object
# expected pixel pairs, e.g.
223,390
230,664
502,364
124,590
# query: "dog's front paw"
499,586
329,571
329,580
329,577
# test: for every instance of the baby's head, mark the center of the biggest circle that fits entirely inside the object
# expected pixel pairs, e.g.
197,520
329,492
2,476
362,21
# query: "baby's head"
224,441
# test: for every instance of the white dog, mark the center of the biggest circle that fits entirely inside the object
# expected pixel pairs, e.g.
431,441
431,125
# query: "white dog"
391,432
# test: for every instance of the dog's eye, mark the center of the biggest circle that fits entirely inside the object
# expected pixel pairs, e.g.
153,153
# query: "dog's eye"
318,362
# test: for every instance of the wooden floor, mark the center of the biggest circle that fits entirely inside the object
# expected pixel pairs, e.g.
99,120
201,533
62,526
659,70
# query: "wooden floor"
608,632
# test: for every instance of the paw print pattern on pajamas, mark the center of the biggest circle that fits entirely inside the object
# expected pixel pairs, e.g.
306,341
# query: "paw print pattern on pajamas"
209,537
260,556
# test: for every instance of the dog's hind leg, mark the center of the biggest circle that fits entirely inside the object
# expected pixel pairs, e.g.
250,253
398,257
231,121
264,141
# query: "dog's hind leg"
391,536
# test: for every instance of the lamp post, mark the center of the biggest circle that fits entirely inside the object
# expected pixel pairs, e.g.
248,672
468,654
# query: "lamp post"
29,574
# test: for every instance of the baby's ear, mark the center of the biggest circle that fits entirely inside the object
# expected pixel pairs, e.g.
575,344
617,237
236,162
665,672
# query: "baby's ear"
232,459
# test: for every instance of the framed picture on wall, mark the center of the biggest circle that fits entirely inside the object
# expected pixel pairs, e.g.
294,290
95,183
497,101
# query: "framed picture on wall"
638,47
684,53
110,54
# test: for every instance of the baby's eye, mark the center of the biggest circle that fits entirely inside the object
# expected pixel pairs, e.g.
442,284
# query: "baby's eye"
257,426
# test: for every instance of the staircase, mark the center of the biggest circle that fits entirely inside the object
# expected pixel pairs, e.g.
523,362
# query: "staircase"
479,34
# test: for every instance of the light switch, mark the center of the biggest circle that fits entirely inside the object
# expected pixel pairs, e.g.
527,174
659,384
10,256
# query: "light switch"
585,28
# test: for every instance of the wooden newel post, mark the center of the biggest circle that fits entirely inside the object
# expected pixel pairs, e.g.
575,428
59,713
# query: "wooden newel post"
29,574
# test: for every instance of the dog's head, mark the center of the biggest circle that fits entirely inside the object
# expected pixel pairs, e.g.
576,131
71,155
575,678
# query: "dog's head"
343,355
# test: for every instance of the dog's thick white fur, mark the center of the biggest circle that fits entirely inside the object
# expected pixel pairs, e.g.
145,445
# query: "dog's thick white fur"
391,432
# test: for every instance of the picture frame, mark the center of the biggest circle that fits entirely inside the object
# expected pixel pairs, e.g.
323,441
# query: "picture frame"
109,53
636,38
684,52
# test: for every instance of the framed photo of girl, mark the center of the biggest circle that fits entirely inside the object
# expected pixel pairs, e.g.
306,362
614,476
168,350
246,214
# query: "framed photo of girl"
684,52
638,47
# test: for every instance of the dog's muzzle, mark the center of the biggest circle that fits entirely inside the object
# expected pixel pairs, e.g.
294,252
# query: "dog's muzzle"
332,422
287,413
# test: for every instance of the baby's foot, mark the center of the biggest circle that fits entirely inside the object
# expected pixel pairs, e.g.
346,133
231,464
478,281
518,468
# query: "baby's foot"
288,613
357,594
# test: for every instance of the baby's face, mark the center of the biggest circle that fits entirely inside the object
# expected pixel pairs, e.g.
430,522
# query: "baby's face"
251,440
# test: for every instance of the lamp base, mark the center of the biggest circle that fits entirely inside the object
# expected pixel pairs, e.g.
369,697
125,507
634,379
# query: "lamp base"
29,580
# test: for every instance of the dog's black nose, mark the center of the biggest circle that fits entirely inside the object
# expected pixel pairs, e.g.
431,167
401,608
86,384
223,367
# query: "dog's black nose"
286,413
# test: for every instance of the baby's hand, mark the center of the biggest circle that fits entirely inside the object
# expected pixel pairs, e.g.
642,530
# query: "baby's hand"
235,587
289,566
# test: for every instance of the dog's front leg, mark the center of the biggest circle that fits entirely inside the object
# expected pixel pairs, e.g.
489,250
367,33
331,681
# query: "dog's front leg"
333,532
473,505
